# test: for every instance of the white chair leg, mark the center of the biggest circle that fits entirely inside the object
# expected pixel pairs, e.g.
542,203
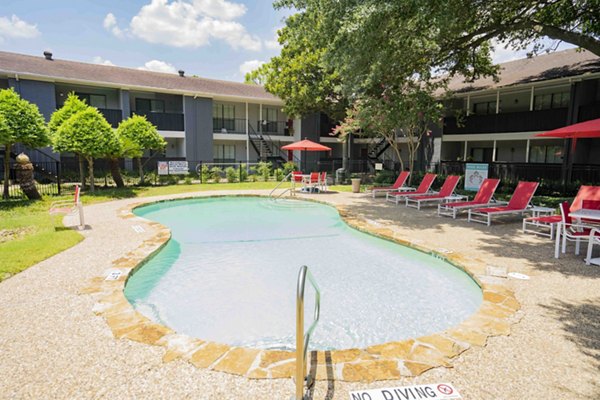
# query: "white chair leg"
489,222
557,242
577,246
588,256
564,240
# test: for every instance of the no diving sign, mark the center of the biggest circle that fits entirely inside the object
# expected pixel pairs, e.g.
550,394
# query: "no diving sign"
438,391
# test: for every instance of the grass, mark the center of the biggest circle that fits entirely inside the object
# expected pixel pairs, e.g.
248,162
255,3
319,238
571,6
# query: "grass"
28,234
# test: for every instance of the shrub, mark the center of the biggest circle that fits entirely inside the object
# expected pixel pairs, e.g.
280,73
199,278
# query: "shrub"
232,174
243,173
279,175
205,173
253,174
264,169
385,178
215,174
188,180
289,167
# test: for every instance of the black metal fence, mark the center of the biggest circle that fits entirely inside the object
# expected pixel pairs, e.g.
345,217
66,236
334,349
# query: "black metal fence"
46,175
584,173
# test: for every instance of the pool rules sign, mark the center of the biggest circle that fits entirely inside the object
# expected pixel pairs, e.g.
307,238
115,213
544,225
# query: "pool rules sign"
437,391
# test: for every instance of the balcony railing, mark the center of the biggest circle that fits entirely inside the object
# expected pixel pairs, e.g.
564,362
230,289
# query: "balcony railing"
229,125
525,121
279,128
163,121
590,111
114,117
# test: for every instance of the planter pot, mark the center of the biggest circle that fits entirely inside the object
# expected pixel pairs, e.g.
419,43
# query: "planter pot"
355,185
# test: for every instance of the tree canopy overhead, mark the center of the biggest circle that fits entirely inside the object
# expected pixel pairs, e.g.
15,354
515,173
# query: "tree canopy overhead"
337,50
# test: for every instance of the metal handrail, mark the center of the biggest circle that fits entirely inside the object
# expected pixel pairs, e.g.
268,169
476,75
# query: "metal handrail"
302,339
279,184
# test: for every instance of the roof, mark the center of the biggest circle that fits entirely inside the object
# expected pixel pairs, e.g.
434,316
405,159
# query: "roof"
554,65
62,70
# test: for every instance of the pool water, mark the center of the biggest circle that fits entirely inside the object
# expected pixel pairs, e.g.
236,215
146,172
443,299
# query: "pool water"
229,275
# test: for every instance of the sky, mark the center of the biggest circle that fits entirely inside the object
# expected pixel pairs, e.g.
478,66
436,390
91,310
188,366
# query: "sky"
219,39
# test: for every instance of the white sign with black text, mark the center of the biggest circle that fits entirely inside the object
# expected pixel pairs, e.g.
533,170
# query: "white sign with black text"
438,391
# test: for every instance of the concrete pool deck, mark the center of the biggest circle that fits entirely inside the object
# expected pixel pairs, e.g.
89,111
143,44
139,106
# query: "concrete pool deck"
55,346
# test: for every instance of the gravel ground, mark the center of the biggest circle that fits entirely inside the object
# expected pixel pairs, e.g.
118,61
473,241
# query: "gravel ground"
53,346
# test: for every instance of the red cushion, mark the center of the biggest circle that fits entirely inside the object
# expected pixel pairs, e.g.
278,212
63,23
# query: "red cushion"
547,219
433,196
492,209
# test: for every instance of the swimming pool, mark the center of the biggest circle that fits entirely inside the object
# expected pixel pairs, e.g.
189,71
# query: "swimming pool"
229,275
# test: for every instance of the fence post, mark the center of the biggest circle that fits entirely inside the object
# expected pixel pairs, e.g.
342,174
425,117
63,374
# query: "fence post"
200,171
58,180
240,171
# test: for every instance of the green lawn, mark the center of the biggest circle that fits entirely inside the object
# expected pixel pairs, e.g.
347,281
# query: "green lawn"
28,234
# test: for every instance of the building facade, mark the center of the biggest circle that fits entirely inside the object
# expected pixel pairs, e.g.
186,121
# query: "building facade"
206,120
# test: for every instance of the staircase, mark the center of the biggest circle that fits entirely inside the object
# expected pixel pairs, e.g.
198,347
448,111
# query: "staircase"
266,149
376,150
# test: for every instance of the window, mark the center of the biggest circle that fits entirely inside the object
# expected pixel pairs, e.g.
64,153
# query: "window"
223,117
149,106
270,120
94,100
224,152
484,108
551,100
546,154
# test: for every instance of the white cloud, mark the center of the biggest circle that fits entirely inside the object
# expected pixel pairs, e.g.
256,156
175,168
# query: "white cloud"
14,27
110,24
102,61
221,9
273,44
181,23
251,65
159,66
502,53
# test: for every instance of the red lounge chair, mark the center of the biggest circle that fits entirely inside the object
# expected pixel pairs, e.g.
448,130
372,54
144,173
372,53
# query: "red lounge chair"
571,231
421,190
482,198
297,176
323,182
69,207
398,185
533,224
446,191
517,205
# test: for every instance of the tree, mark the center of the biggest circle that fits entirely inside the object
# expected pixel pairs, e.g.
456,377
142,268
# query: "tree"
139,135
299,75
22,122
72,106
87,133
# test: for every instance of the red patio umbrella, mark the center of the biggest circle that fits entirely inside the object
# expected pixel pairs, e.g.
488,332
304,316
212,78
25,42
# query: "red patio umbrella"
581,130
306,145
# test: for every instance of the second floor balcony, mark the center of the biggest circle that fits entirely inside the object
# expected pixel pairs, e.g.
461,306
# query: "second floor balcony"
113,116
163,121
524,121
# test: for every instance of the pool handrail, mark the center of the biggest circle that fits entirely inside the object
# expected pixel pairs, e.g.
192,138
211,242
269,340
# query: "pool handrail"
303,339
288,176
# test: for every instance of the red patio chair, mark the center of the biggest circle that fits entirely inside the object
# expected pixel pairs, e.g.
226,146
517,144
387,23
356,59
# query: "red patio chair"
324,181
517,205
446,191
422,189
483,197
569,231
398,185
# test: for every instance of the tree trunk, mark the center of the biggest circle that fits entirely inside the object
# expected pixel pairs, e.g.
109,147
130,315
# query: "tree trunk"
115,171
81,171
6,169
24,172
91,172
141,170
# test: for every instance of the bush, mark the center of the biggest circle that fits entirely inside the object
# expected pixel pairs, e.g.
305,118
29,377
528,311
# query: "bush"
289,167
385,178
215,174
243,173
205,173
232,174
278,174
253,174
264,169
187,180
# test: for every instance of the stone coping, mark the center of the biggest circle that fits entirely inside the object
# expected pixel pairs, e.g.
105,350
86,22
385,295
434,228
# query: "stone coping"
392,360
